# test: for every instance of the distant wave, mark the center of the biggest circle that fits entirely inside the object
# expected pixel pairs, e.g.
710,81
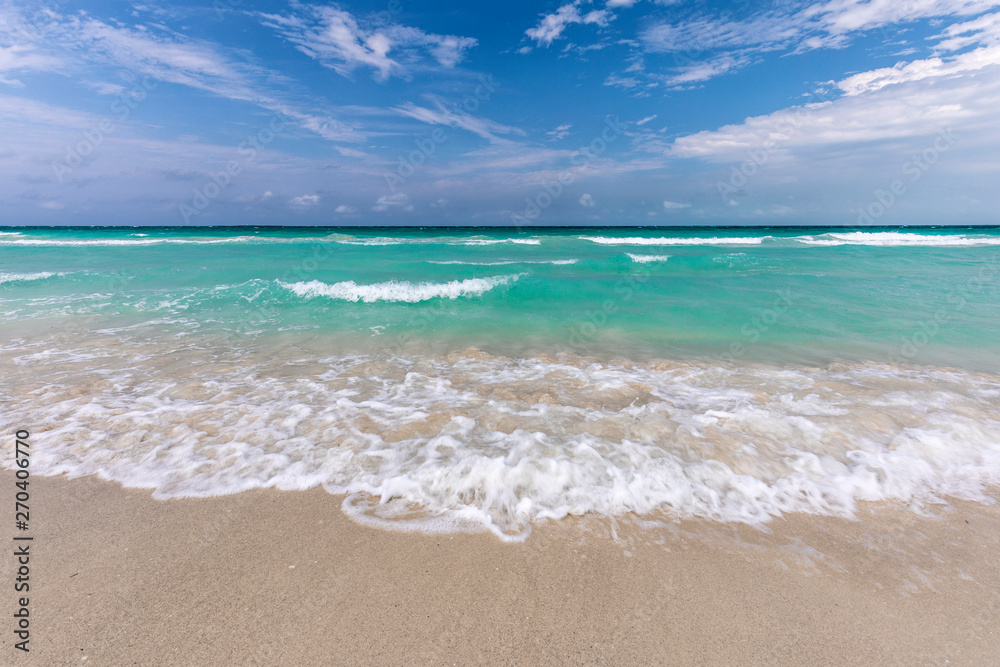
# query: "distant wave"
18,277
380,240
897,239
664,241
496,241
506,262
23,241
643,259
389,240
396,290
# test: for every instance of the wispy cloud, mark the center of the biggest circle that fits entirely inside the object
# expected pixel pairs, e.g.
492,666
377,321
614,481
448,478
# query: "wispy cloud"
24,58
707,45
442,115
920,69
304,200
552,26
823,25
983,30
71,42
400,201
561,132
910,99
703,70
336,39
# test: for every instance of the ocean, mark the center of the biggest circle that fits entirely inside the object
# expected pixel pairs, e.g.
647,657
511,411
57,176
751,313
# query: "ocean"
469,379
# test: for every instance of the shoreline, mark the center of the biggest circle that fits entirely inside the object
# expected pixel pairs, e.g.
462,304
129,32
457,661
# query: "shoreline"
284,577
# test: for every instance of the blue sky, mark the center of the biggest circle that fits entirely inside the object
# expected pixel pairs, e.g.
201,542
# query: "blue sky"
404,112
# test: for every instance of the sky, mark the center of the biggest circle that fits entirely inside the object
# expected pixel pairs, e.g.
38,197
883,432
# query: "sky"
399,112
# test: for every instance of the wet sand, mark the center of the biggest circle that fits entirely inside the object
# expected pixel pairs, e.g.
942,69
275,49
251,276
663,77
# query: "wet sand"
284,578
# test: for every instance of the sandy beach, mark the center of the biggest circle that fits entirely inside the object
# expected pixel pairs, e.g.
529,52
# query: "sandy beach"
449,333
284,578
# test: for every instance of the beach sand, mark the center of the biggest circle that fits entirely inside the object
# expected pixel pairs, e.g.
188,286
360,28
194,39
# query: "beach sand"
284,578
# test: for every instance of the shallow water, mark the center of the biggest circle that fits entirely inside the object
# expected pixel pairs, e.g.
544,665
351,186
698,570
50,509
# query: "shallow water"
462,380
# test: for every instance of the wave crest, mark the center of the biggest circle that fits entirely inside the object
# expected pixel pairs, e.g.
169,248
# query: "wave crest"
897,239
645,259
639,240
398,290
22,277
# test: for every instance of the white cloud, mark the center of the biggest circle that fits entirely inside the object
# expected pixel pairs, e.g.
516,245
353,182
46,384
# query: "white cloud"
334,38
305,200
442,115
839,17
587,201
400,200
22,58
350,152
561,132
646,119
706,46
695,36
14,109
626,82
104,88
710,68
344,209
449,49
552,26
910,99
159,54
983,30
674,206
917,107
821,25
920,69
192,63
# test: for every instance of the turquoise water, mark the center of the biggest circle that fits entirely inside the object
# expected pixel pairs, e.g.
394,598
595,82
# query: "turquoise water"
921,296
489,379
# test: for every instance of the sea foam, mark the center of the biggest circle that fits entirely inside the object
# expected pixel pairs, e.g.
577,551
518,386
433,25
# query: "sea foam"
645,259
138,242
473,442
897,239
675,241
397,290
19,277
